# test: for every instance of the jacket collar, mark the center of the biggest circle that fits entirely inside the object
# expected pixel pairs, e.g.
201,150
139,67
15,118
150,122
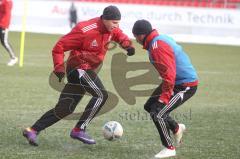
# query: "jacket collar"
147,40
102,27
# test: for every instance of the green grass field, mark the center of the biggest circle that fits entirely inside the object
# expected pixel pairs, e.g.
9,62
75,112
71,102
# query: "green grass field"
211,116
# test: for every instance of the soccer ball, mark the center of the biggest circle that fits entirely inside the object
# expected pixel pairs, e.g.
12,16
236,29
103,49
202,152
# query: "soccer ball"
112,130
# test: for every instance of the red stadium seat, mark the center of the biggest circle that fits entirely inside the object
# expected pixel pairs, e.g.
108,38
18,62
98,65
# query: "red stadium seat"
187,3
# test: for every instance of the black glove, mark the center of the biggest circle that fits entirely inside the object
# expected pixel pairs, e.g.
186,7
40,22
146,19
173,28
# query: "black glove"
130,51
59,75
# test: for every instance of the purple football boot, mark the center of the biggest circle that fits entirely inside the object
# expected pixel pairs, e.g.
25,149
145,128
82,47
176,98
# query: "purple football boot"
81,135
31,136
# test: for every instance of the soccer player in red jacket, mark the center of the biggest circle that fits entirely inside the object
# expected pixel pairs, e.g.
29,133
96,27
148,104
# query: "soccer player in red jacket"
88,44
179,82
5,18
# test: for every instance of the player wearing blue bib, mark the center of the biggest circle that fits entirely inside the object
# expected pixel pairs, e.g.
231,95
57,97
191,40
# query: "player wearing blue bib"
179,83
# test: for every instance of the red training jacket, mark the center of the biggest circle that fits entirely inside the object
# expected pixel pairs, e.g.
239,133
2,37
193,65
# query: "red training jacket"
5,13
88,44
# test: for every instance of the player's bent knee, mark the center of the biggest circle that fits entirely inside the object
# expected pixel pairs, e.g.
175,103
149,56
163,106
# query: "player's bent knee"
64,107
104,95
147,108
